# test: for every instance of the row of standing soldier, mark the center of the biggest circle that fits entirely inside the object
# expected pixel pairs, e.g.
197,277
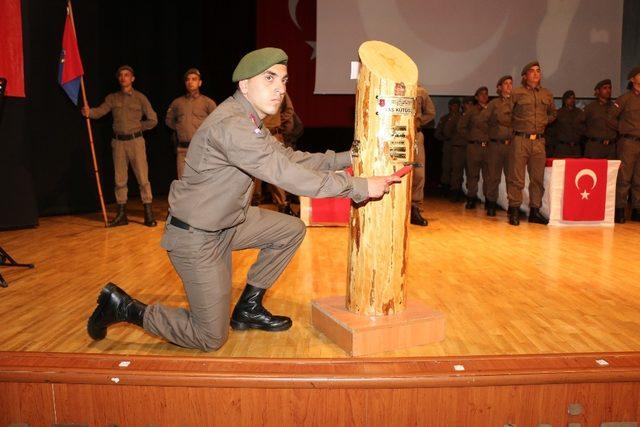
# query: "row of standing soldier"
521,127
132,114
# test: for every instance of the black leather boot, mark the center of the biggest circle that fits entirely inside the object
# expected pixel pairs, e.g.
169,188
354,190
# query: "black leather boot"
514,215
536,217
635,214
250,314
491,208
114,306
471,203
121,217
149,219
620,216
417,218
454,196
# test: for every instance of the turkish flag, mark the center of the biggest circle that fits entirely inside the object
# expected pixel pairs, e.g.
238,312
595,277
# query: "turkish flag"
11,55
585,189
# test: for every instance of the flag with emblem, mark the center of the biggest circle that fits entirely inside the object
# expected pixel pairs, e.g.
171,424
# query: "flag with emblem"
70,67
585,190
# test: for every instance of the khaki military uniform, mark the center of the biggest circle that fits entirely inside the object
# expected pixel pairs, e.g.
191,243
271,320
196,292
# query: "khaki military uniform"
474,128
445,176
531,111
458,151
565,133
185,115
600,131
425,113
128,146
627,111
279,125
500,135
210,217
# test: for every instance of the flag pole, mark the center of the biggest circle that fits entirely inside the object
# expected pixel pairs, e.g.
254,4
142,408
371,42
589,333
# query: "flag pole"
89,131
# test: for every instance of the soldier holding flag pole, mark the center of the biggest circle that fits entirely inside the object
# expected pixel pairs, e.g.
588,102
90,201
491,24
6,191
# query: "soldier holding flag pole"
70,77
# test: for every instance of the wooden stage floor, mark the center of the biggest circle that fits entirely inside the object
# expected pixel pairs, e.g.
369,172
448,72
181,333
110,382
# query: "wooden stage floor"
504,290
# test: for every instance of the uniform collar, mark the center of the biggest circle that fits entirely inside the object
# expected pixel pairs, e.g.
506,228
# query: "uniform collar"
246,105
189,96
537,88
127,93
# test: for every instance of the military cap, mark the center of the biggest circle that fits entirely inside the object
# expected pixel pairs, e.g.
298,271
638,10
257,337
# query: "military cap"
454,101
468,99
124,67
634,71
192,71
568,94
257,61
503,78
602,83
480,89
529,66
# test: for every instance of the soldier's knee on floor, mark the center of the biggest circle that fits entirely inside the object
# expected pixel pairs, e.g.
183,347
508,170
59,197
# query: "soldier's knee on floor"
209,342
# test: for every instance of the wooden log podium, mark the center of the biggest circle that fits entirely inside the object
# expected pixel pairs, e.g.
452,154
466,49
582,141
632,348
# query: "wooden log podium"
375,316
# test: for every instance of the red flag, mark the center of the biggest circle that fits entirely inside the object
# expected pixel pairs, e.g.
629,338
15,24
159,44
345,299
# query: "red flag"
585,189
11,54
70,67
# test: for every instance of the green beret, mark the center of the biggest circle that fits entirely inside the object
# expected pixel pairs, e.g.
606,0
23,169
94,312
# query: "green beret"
191,71
454,101
468,100
602,83
124,67
568,94
528,66
254,63
634,71
503,78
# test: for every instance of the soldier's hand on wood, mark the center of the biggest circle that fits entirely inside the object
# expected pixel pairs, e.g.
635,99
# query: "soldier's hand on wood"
85,110
378,186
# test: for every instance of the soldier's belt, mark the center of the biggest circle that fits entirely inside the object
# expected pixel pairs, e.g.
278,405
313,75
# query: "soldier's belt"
631,137
127,136
502,141
184,144
482,143
603,141
181,224
531,136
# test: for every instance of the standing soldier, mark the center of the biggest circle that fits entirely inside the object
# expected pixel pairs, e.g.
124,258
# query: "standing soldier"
566,131
186,114
475,129
128,106
445,177
279,125
425,113
458,147
627,111
532,109
499,111
210,216
600,131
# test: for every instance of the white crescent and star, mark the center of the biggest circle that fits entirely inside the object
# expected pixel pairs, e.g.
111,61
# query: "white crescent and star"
590,173
293,8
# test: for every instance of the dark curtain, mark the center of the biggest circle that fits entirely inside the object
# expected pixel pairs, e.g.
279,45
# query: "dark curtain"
44,138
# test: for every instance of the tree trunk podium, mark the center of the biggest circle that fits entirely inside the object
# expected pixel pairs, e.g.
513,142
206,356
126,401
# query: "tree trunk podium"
376,316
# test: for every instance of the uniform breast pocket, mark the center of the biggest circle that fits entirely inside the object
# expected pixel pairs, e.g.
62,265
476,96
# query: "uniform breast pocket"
117,107
200,116
179,117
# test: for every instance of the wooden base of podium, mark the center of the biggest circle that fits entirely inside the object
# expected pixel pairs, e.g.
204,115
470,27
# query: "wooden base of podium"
361,335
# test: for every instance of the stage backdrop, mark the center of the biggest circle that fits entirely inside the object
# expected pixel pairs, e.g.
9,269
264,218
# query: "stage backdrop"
459,46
